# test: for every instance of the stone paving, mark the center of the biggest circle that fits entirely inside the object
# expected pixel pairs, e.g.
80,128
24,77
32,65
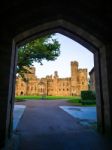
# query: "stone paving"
17,114
45,126
86,115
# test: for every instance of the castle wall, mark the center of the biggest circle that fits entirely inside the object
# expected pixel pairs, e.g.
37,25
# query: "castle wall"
82,80
63,87
20,87
92,80
53,85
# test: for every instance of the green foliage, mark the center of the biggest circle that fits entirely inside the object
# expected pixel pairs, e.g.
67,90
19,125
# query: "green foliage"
88,97
68,98
47,97
75,100
37,50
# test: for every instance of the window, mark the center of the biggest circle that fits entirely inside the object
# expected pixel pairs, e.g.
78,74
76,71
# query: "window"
21,93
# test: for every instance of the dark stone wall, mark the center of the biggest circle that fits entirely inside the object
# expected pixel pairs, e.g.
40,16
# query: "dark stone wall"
92,16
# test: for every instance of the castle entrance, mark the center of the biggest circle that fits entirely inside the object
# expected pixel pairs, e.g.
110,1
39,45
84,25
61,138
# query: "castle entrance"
42,89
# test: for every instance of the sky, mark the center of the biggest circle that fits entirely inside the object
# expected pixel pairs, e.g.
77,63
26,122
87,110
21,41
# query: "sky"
70,51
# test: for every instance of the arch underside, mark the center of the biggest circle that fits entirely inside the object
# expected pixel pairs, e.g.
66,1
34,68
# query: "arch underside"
60,26
70,30
85,22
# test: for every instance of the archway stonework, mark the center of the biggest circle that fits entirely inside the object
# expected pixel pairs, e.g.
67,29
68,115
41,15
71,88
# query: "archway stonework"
42,88
89,41
103,60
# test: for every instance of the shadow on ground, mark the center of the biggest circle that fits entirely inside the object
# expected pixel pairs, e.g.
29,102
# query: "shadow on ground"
45,126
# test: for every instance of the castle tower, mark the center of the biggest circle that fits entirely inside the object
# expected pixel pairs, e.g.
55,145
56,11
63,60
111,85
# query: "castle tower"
55,82
56,74
74,70
74,76
83,81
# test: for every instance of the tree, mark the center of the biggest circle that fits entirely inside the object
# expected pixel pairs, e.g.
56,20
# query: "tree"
37,50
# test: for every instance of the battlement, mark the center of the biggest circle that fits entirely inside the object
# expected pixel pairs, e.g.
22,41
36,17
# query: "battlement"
74,63
67,79
49,77
81,70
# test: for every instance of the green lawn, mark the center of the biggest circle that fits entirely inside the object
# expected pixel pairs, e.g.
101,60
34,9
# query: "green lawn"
75,100
45,97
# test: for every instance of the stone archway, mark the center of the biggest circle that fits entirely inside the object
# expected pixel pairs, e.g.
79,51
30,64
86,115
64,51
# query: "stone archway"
84,38
41,88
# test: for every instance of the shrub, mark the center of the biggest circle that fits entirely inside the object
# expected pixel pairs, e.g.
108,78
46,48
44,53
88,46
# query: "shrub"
88,97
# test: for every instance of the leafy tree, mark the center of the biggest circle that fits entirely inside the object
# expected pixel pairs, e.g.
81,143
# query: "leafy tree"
37,50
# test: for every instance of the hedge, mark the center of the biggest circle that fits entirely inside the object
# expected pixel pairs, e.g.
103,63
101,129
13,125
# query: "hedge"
88,97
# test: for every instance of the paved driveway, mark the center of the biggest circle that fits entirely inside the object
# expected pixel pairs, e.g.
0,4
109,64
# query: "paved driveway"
45,126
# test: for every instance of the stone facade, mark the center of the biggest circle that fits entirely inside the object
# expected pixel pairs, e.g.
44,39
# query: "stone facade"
92,80
53,85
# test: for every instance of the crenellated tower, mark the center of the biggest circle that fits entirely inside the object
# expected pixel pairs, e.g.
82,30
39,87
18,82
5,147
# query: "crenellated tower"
74,72
74,76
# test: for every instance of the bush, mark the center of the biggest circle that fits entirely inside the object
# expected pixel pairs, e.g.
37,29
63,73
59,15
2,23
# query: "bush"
88,102
88,97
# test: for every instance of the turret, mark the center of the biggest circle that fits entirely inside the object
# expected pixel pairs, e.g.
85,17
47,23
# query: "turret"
74,69
74,75
83,73
56,74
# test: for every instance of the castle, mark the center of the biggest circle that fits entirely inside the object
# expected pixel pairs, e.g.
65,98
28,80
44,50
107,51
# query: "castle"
53,85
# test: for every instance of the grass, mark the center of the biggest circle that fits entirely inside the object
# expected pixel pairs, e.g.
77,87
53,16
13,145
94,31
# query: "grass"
44,97
88,102
74,100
